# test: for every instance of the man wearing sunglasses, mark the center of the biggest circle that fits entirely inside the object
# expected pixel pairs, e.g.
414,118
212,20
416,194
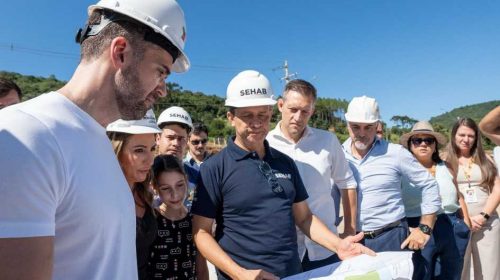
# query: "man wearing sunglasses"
255,195
379,167
197,146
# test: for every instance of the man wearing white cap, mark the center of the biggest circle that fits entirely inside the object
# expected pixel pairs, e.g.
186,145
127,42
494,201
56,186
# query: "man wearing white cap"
321,163
378,167
256,196
66,211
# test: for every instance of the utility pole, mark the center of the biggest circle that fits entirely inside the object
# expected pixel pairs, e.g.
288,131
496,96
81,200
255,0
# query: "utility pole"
287,76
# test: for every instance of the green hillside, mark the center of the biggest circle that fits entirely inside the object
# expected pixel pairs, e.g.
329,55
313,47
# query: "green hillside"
475,112
208,109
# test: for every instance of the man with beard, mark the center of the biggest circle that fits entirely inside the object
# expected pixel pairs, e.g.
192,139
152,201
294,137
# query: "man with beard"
256,196
65,208
321,163
378,167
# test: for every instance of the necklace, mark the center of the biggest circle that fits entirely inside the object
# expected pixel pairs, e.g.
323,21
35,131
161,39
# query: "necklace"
432,170
468,170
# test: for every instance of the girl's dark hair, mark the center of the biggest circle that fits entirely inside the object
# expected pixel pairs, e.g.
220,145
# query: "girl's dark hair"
435,155
166,163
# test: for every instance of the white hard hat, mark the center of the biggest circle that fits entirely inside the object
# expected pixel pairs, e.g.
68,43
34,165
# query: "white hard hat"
249,88
165,17
175,114
363,110
145,125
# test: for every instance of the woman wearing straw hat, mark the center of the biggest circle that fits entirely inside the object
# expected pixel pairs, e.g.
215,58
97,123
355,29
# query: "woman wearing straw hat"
443,255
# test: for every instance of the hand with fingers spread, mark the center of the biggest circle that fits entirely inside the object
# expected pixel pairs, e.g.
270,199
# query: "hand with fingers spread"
257,274
349,247
416,240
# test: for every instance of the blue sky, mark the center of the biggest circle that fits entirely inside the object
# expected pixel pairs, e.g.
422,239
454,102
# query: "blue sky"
417,58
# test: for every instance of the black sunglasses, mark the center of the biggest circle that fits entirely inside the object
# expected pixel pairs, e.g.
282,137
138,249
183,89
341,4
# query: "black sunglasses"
271,178
418,141
197,142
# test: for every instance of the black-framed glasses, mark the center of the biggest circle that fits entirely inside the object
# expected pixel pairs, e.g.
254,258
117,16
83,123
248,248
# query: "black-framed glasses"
271,178
197,142
417,141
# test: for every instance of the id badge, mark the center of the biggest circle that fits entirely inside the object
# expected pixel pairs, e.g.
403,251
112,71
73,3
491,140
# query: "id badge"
470,195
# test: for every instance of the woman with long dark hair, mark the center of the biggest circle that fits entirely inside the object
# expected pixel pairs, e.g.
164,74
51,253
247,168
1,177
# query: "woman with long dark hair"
479,183
443,255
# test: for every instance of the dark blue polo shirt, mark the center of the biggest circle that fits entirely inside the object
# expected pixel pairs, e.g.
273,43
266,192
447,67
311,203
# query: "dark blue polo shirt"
255,225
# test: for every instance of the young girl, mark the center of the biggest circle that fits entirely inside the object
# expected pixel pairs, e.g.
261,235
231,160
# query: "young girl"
173,253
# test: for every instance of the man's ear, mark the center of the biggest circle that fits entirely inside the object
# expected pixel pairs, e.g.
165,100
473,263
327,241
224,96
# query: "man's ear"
230,118
281,102
158,137
118,51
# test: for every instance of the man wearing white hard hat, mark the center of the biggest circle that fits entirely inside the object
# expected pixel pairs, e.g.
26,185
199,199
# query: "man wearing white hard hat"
176,124
255,195
378,167
321,163
66,209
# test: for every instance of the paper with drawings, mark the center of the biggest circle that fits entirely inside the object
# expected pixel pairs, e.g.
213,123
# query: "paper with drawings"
384,266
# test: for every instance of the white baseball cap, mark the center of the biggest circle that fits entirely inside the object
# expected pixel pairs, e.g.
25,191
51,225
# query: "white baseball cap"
175,114
363,110
145,125
248,89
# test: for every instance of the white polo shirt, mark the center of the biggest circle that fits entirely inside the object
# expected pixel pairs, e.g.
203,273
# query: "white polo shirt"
321,163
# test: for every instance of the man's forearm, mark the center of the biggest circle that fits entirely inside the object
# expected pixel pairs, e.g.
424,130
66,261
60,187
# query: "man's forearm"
319,233
350,206
211,250
428,219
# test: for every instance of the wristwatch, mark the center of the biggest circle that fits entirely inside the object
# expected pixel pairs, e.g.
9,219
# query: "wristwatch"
486,216
425,229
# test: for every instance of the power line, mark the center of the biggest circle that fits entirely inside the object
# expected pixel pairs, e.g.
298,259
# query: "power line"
50,53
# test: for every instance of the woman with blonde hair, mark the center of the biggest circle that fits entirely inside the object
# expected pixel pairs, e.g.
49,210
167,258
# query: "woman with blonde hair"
479,183
134,145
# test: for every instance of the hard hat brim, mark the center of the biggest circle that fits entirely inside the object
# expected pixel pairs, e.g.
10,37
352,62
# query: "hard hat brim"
358,120
134,129
250,102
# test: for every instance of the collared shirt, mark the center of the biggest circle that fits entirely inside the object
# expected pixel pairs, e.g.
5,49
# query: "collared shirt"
189,160
379,175
321,164
255,224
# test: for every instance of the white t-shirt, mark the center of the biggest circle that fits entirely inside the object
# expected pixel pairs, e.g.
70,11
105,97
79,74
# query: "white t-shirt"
321,163
59,177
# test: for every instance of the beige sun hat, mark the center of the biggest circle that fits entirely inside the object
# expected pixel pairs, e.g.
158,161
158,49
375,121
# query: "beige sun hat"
422,127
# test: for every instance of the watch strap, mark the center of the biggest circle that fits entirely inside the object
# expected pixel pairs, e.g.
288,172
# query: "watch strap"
425,229
486,216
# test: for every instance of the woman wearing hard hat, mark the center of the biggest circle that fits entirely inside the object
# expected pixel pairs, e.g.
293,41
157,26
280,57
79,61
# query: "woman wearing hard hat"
134,145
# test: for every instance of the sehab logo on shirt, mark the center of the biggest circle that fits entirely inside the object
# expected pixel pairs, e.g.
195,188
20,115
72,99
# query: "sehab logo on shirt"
280,175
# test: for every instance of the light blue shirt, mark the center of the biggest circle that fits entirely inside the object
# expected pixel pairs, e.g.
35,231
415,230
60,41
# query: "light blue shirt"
412,196
379,175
